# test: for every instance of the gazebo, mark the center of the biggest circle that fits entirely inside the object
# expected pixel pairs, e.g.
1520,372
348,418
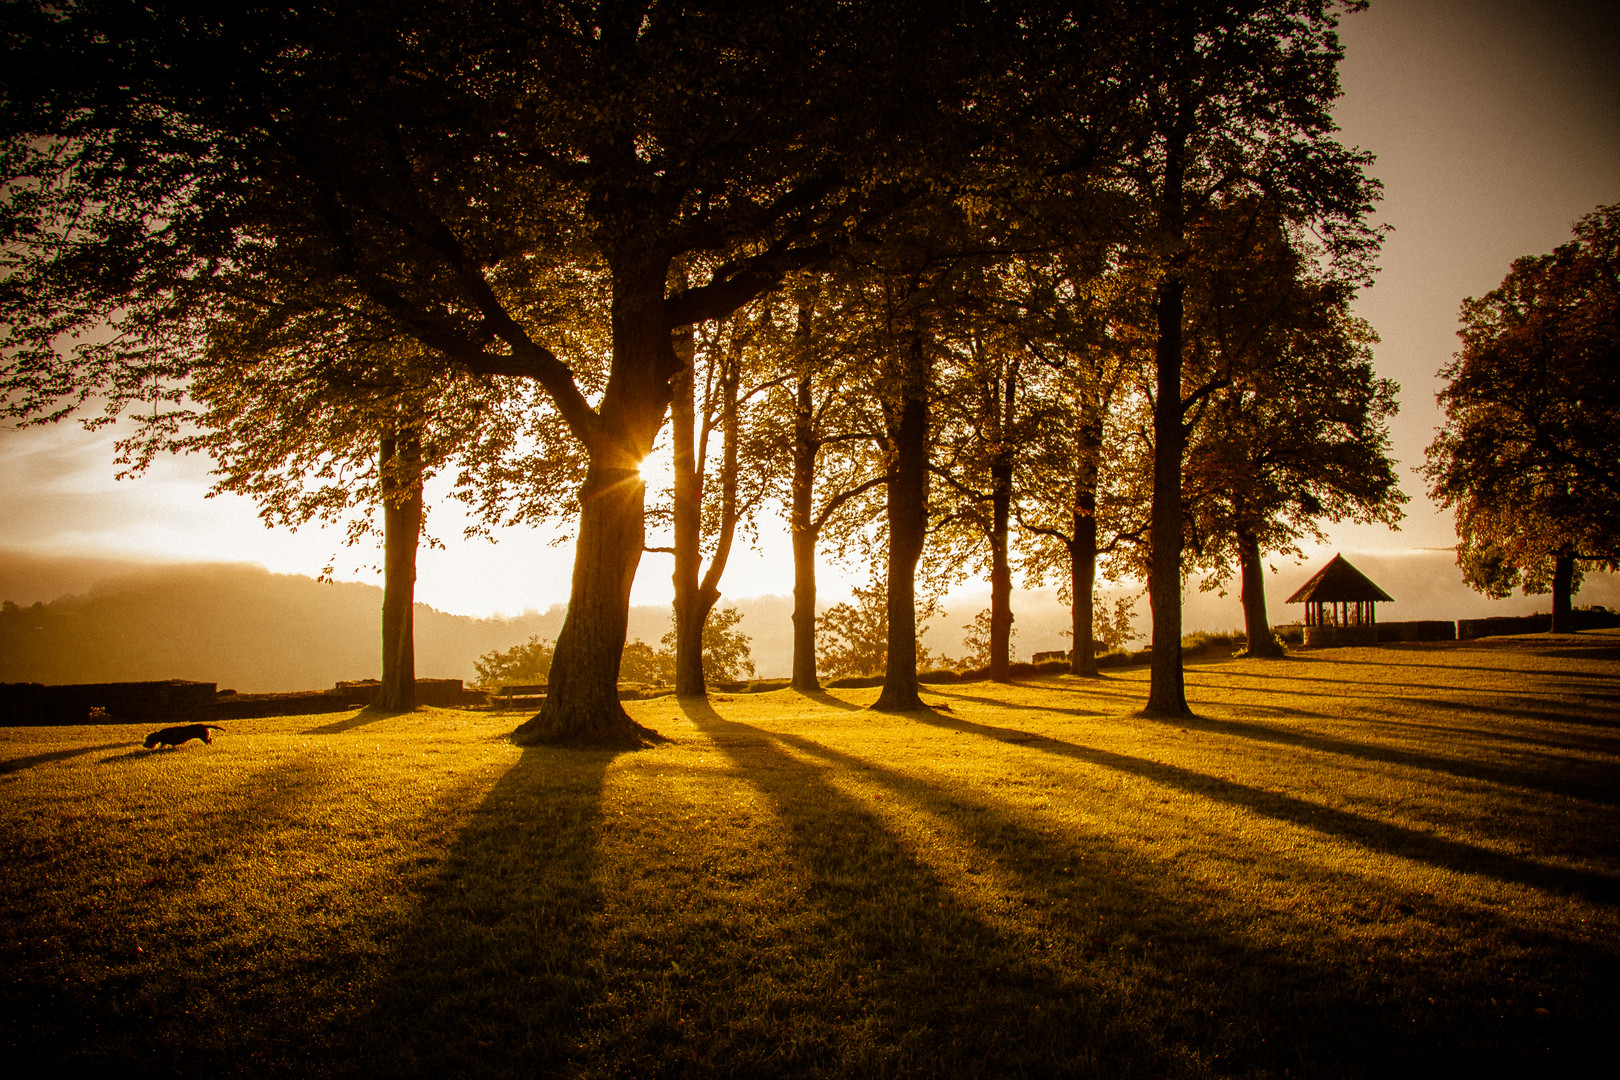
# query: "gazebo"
1339,605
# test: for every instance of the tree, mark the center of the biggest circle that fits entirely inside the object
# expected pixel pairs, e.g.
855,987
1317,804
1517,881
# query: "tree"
164,159
1241,104
1527,457
1296,432
522,665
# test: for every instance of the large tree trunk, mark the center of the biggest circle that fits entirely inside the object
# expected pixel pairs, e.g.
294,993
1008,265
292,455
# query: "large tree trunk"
1563,595
400,483
1256,622
1083,550
800,515
1166,687
582,695
1001,475
908,529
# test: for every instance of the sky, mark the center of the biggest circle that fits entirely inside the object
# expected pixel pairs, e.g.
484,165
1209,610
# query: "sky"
1496,124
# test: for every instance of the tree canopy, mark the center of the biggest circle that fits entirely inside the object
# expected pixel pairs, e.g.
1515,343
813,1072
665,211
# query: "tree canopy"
1527,459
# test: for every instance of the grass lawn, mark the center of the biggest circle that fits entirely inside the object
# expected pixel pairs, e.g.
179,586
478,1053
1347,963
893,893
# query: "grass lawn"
1369,862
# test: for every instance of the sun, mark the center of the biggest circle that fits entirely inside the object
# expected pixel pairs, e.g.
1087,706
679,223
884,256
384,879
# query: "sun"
658,469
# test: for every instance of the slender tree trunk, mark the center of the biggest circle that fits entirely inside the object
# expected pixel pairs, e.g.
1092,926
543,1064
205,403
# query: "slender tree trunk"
800,514
400,466
1256,622
1083,550
1167,692
1563,595
1166,687
908,529
1001,476
582,699
688,513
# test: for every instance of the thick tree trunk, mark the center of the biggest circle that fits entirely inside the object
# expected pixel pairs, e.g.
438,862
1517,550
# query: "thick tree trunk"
1001,474
400,467
800,514
1083,551
1563,595
1166,687
1256,622
582,696
908,529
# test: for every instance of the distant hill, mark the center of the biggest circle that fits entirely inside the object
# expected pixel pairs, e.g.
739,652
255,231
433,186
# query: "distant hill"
243,627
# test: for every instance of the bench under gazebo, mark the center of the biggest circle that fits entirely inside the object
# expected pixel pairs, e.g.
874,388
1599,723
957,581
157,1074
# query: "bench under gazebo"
1340,605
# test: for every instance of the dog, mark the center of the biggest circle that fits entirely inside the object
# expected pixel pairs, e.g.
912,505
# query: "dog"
172,737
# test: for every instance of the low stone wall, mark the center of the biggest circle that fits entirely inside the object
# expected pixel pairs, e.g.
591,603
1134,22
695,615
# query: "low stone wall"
1418,630
81,703
1468,629
428,692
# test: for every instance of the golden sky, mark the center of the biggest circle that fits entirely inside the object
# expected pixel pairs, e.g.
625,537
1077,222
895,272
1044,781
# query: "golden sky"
1495,127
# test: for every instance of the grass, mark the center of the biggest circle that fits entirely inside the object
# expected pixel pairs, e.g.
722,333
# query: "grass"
1374,862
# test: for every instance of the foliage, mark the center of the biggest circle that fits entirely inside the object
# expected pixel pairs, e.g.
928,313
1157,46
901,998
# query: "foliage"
853,639
527,664
640,663
1526,459
1113,629
726,657
976,642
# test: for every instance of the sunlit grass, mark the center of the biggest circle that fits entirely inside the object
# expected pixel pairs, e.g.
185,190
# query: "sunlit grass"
1359,862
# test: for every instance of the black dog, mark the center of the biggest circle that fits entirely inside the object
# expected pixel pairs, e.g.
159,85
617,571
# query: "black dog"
174,736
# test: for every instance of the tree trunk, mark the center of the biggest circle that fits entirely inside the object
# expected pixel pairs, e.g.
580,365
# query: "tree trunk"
399,463
1001,473
582,696
1166,687
800,514
908,529
688,512
1083,551
1563,595
1256,622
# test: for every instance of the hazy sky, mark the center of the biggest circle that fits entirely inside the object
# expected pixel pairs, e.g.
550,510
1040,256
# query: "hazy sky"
1495,127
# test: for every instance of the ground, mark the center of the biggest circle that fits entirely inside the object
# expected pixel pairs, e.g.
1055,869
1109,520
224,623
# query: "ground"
1360,862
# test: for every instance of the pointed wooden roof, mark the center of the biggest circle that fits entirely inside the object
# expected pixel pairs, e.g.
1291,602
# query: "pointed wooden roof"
1338,582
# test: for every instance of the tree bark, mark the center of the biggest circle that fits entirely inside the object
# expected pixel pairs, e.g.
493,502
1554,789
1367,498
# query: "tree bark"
399,463
1563,594
1083,551
582,696
1001,474
1256,621
908,529
1166,686
801,514
688,513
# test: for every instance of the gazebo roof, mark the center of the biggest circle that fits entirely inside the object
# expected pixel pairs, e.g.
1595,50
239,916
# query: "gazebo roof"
1338,582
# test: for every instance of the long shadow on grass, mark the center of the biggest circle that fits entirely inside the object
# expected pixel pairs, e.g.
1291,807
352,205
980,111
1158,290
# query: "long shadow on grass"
18,764
1377,835
489,969
349,723
919,983
1329,1008
821,697
1561,775
1155,975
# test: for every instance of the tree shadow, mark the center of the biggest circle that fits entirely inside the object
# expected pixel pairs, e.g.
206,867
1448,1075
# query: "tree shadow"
822,697
1121,950
493,961
18,764
1385,837
365,716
